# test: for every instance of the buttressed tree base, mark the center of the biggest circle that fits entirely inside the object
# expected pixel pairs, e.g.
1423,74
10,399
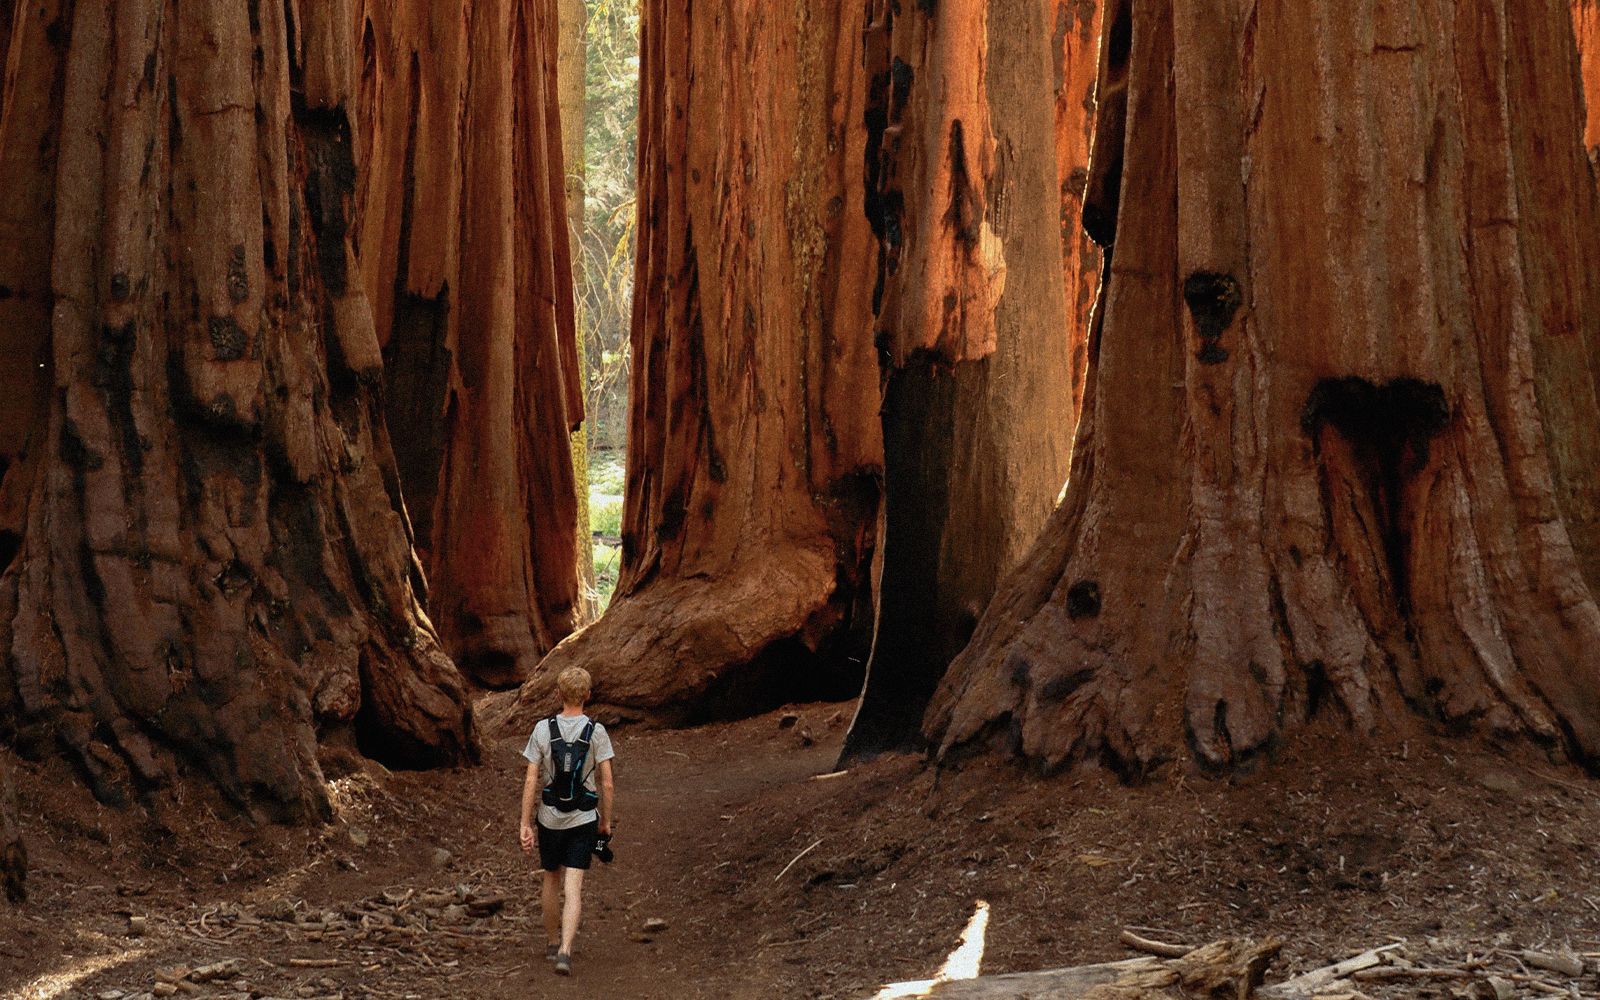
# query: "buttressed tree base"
754,454
1340,442
212,568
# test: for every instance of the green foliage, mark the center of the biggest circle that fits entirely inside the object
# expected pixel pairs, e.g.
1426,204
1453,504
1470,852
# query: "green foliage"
606,515
605,250
607,561
608,471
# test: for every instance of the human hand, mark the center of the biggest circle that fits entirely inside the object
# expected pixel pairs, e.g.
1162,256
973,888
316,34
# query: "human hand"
527,839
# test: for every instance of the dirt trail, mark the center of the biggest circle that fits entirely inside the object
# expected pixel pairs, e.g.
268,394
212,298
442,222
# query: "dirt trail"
251,933
1458,850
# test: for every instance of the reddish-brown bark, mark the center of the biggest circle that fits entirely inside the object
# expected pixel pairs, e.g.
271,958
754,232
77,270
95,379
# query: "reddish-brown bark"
979,408
1586,22
464,251
1074,50
1339,447
214,568
754,448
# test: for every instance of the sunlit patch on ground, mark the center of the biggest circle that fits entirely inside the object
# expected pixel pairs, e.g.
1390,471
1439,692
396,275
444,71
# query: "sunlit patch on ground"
59,982
963,963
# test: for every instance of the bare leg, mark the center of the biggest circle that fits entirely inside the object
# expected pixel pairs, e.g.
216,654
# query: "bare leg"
550,902
574,908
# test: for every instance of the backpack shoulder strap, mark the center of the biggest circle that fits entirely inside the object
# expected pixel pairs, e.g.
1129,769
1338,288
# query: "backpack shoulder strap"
588,732
555,731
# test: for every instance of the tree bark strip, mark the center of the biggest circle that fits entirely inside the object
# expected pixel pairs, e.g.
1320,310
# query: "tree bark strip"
465,255
978,340
1074,50
754,447
1338,444
214,567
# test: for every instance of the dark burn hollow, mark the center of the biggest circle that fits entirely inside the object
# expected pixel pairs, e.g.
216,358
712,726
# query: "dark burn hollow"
1213,300
1387,430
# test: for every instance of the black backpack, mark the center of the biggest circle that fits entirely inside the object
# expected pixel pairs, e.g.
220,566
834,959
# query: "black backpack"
566,791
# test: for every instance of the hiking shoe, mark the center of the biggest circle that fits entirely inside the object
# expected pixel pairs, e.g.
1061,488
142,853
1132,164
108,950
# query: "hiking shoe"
563,965
551,951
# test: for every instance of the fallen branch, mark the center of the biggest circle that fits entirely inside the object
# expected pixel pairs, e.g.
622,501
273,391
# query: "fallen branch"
1151,947
1397,972
797,857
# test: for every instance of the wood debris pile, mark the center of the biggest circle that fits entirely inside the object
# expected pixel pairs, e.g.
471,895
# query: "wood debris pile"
367,939
1485,973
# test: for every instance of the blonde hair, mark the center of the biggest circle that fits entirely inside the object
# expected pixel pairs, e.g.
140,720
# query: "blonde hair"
574,684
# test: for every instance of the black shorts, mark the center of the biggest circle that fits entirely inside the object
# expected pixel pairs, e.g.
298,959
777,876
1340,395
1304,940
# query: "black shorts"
567,848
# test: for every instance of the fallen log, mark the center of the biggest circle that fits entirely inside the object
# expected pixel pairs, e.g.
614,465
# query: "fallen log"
13,853
1225,970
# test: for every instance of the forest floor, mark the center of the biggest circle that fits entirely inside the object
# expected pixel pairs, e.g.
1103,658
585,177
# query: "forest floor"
419,890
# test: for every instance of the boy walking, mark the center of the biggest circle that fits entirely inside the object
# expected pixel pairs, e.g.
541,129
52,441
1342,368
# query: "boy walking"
569,771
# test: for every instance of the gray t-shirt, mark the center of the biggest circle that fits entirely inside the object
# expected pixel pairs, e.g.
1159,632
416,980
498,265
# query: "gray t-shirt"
538,753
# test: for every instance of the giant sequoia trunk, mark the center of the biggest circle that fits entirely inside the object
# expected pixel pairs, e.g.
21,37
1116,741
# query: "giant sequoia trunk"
214,566
976,333
1339,451
464,251
754,444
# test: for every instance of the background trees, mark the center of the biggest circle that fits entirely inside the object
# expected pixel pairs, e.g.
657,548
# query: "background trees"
1339,442
465,255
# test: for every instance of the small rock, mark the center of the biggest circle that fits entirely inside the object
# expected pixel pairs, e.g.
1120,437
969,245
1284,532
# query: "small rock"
137,925
655,925
455,913
164,990
1495,988
1565,964
276,909
441,857
788,719
1501,781
803,736
110,995
358,837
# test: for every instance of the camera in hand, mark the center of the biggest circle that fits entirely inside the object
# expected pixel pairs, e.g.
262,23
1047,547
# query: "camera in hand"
602,849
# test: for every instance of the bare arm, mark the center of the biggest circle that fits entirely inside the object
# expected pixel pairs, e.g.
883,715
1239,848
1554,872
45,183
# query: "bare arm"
530,789
607,798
